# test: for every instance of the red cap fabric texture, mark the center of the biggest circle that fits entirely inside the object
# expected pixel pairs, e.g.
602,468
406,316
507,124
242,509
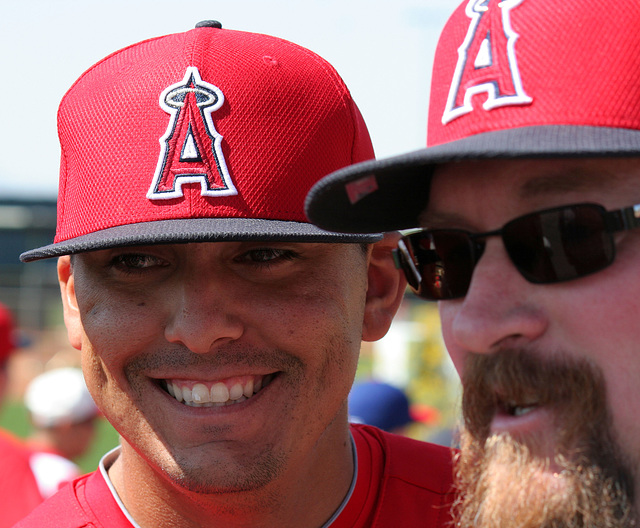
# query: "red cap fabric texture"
202,135
516,63
511,79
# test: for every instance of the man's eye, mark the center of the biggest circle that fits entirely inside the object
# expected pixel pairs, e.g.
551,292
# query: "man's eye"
136,261
267,255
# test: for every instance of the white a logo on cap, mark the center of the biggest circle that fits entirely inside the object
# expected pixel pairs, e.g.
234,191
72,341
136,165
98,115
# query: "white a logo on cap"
486,61
190,149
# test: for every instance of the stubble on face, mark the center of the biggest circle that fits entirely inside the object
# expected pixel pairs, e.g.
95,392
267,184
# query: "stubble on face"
263,463
310,336
505,481
246,465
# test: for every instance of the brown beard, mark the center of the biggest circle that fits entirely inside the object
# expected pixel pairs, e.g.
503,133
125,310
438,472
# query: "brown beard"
502,483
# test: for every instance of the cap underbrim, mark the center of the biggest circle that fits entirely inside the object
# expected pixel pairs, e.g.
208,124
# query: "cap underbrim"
182,231
389,194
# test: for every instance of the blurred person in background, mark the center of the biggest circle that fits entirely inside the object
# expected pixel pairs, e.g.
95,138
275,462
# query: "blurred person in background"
63,416
381,405
19,492
389,408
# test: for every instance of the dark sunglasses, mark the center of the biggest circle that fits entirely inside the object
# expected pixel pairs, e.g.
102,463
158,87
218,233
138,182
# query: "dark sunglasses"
548,246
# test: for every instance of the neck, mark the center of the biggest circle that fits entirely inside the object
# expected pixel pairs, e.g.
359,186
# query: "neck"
306,494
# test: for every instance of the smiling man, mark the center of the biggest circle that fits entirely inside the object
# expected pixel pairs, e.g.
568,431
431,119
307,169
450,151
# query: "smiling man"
526,203
219,330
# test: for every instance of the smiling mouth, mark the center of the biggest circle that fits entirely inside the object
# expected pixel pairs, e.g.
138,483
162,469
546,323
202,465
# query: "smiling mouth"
216,394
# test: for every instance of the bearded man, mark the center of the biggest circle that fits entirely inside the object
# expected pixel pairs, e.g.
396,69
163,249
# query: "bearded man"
527,204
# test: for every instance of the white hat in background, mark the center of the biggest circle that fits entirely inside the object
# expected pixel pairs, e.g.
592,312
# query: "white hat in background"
59,396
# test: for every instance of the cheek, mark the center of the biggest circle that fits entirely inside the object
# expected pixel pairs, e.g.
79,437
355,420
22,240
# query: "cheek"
623,390
98,378
611,337
324,304
325,322
606,331
113,324
447,311
113,330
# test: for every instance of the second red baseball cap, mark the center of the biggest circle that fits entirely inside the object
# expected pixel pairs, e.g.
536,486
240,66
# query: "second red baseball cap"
511,79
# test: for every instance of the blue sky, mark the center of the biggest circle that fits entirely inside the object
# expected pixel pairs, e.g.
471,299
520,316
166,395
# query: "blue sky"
383,50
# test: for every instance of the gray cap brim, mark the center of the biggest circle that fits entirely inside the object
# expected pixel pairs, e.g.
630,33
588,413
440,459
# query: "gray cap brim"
389,194
183,231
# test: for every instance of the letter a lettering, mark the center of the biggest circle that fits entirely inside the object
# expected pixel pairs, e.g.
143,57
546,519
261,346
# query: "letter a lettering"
190,149
486,61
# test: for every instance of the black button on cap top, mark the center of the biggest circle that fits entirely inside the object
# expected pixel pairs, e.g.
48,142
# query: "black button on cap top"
209,23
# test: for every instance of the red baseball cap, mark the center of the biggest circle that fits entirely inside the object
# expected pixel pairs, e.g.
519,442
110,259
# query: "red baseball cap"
207,135
511,79
7,337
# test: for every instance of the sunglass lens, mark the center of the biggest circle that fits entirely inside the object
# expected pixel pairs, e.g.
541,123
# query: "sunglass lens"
559,244
445,259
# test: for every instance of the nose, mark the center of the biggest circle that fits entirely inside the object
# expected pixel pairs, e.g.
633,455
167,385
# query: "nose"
499,310
204,312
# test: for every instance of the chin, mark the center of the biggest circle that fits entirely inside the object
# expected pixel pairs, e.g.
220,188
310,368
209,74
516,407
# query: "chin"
502,484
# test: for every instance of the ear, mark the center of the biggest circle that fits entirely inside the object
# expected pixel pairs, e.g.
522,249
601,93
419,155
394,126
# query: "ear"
385,289
69,302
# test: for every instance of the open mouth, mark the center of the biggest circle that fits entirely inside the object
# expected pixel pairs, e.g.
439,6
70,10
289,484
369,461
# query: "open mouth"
517,409
218,393
514,404
522,417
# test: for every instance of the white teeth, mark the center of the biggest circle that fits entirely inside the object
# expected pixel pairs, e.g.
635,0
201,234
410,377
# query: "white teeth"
248,389
200,393
520,408
194,404
177,392
521,411
236,392
219,393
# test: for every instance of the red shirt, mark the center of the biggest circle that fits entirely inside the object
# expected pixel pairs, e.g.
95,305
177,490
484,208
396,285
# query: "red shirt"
400,482
19,493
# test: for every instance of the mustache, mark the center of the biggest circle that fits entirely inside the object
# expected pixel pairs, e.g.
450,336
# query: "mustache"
179,358
517,376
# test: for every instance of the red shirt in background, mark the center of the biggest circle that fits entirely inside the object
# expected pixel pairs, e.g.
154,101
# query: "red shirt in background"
19,492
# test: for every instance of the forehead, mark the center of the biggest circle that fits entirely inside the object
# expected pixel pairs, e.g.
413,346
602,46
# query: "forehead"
531,183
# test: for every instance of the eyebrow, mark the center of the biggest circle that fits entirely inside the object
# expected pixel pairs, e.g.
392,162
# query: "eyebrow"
432,219
575,179
557,182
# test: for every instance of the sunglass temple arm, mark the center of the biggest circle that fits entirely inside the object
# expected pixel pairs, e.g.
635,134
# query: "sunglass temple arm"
625,219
